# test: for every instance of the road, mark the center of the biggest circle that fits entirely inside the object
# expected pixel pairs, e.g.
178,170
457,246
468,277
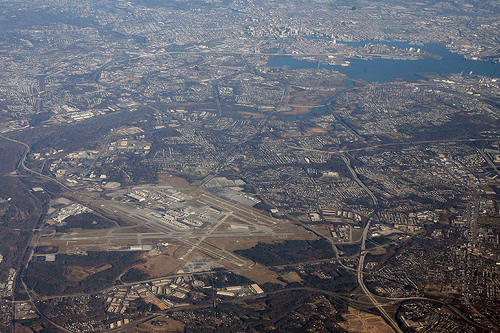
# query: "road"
487,158
22,160
40,313
347,162
262,220
239,300
225,255
367,292
361,264
202,239
392,144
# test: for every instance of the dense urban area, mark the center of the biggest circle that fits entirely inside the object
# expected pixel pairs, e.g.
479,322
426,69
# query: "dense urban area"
249,166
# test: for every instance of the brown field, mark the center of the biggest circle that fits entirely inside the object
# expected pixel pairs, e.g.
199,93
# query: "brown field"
317,130
311,131
161,265
133,79
323,229
134,230
227,226
302,102
232,244
488,220
123,242
22,329
250,114
294,231
309,97
356,234
434,290
292,277
161,324
378,251
257,306
54,242
260,274
77,273
241,243
154,300
299,110
362,322
169,180
90,232
181,250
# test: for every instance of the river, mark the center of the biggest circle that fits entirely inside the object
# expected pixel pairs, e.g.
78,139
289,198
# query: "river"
386,70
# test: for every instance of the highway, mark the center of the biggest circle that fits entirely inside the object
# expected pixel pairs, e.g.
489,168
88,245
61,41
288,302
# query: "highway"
367,292
39,312
347,162
361,264
392,144
487,158
22,160
21,164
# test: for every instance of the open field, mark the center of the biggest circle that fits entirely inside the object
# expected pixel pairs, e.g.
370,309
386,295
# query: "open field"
363,322
166,248
78,273
260,274
160,265
291,277
161,324
168,180
302,102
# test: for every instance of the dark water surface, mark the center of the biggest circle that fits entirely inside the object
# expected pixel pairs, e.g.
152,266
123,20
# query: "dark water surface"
386,70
